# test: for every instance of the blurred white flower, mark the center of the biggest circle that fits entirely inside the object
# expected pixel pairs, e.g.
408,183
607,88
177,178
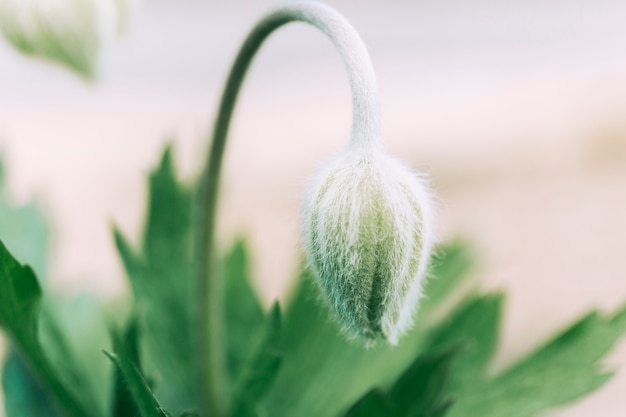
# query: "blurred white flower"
71,32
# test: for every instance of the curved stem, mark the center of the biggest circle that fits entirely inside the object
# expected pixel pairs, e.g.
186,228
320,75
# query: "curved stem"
211,349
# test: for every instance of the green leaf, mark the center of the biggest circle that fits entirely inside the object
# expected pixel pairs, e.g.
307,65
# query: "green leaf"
564,369
72,354
475,326
420,391
162,281
24,229
123,403
243,310
261,368
191,413
23,394
20,301
373,404
450,265
323,372
140,392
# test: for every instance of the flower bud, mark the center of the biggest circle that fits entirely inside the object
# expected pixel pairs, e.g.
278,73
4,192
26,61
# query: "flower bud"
368,232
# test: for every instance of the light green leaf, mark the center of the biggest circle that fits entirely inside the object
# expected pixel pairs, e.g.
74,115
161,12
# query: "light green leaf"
474,325
564,369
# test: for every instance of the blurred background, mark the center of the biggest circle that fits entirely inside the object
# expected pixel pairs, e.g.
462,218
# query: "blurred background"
516,110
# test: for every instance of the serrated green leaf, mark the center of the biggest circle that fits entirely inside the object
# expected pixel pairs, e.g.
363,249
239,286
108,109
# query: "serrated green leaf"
137,387
162,281
564,369
323,372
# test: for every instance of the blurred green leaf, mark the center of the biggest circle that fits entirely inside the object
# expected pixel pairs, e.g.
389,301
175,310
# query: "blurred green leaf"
139,391
162,281
70,332
23,394
243,312
323,372
20,301
261,368
123,403
24,229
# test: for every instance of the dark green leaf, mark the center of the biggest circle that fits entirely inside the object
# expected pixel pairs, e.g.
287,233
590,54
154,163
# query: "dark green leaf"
123,403
189,414
421,390
136,385
162,282
373,404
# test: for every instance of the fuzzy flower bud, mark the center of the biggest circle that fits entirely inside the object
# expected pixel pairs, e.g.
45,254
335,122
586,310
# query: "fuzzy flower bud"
367,228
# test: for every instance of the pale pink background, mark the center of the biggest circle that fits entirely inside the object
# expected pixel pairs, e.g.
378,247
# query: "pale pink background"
516,111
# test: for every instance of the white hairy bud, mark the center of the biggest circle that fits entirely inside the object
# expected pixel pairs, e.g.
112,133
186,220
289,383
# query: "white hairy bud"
368,232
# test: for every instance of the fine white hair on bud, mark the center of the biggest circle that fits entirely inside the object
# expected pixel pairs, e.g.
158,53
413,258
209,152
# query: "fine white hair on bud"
368,232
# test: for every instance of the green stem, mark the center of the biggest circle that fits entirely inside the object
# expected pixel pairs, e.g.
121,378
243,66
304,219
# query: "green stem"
211,349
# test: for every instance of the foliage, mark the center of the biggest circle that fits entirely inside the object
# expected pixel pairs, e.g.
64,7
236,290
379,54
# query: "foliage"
289,361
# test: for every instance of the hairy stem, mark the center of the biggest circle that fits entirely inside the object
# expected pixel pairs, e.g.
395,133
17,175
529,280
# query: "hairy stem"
211,349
